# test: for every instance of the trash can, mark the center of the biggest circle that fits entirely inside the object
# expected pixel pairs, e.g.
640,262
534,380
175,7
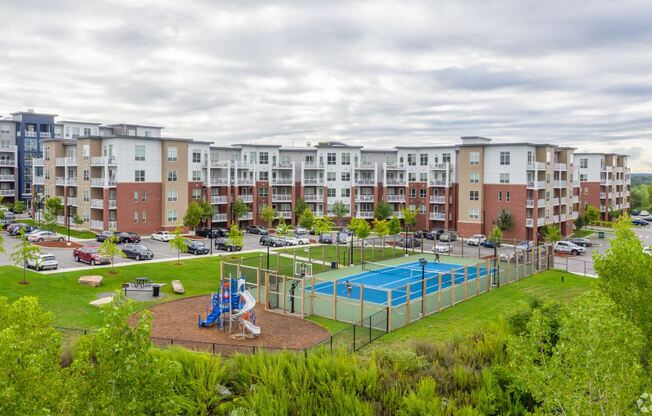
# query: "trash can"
333,265
600,234
156,290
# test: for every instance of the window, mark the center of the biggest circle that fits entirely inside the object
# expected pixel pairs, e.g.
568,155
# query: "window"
504,158
86,195
331,159
412,176
144,196
67,131
413,193
412,159
422,210
331,193
135,196
31,145
263,158
310,159
263,176
474,213
196,193
423,177
507,196
474,177
47,173
75,132
474,158
584,163
500,197
196,156
86,216
346,158
172,176
504,178
346,176
474,195
139,176
583,177
139,151
172,215
46,152
422,193
196,175
548,196
330,176
445,158
87,131
86,174
173,196
135,217
144,217
345,192
423,159
173,154
262,191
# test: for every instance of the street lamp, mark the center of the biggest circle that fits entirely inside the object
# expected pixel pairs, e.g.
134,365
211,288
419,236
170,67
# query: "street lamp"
67,216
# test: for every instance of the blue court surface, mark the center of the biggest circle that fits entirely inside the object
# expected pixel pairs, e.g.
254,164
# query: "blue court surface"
379,280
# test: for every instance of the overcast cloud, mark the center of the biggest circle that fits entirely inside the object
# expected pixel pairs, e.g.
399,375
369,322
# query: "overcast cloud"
374,73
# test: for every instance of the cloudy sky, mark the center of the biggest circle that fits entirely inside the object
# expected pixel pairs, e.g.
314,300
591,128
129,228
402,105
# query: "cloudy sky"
374,73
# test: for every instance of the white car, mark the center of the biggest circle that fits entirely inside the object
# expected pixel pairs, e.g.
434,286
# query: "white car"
302,239
290,241
475,240
568,248
643,214
162,236
442,248
43,261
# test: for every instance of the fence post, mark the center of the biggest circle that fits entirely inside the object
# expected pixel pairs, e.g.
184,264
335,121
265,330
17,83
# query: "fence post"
354,337
462,237
466,282
323,258
260,262
294,261
389,310
407,305
303,296
439,293
335,300
423,298
477,283
369,328
258,283
284,293
312,295
453,287
266,290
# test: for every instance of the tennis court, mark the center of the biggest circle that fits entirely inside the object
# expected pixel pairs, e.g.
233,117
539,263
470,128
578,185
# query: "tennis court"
379,280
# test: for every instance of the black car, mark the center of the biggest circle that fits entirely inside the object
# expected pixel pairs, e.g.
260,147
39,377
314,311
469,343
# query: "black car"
490,244
223,244
101,236
584,242
27,228
128,237
434,234
257,229
409,242
196,247
420,234
211,232
325,239
137,251
266,240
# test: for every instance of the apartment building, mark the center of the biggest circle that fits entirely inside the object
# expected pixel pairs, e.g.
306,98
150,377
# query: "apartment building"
604,182
8,160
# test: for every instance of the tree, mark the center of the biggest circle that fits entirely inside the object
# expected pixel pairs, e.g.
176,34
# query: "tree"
193,215
52,208
394,225
640,197
178,244
384,210
307,219
282,228
361,230
207,210
110,249
496,237
322,225
238,209
504,220
300,206
591,214
267,214
381,228
551,233
582,361
18,207
77,220
339,211
235,236
24,252
409,217
579,222
614,213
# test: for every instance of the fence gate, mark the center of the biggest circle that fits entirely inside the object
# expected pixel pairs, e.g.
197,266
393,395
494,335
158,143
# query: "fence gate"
286,295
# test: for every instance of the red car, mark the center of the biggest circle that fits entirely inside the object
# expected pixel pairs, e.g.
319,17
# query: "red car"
89,255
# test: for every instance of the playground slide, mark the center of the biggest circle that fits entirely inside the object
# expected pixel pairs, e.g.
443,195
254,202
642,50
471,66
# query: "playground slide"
250,302
211,318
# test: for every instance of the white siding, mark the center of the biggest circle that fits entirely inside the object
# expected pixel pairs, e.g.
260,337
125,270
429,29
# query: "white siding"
517,167
123,149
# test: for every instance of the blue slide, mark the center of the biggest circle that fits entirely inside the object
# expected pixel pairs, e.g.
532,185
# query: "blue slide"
210,319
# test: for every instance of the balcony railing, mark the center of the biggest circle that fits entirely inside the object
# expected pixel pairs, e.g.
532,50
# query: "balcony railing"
560,184
218,199
247,198
529,203
564,200
103,160
603,209
603,181
71,200
395,198
45,135
247,216
13,178
364,214
439,166
437,182
282,197
438,216
536,184
555,201
364,198
541,222
562,217
245,165
38,180
365,165
603,195
113,204
313,198
35,162
245,181
220,164
364,182
394,165
529,222
575,215
541,203
215,181
60,180
313,166
7,192
283,165
101,182
536,165
398,214
313,181
113,225
396,182
281,181
97,225
284,214
97,203
71,181
560,166
30,134
437,199
219,217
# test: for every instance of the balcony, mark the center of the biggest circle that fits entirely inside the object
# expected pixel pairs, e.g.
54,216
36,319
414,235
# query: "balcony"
61,220
603,182
541,203
97,225
394,166
97,203
11,178
555,201
529,203
440,166
396,182
437,182
218,199
7,192
603,208
38,180
438,216
219,217
244,181
313,181
576,199
395,198
529,222
113,204
437,199
610,195
560,184
71,200
364,182
71,182
283,165
282,181
215,181
536,165
30,134
102,182
564,200
364,214
247,216
626,205
555,218
284,214
313,198
12,162
575,215
536,184
364,198
45,135
103,160
313,166
245,165
113,225
603,195
560,167
247,198
398,214
365,166
541,222
60,180
562,217
281,197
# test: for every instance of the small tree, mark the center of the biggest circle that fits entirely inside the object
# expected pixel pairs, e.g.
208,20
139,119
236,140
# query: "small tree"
361,229
24,252
579,222
77,220
381,228
504,220
238,209
207,211
551,234
394,225
299,206
383,210
307,219
52,208
193,215
19,207
282,228
409,217
591,214
110,249
496,237
235,236
322,225
614,213
178,244
339,211
267,214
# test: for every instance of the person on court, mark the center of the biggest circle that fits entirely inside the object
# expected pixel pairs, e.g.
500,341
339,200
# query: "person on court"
437,257
349,288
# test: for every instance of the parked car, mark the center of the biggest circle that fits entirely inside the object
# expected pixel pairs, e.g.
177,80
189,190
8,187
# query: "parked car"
301,231
448,236
31,229
643,213
408,242
257,229
475,240
525,245
635,212
434,234
648,218
638,221
266,240
128,237
325,239
289,241
490,243
211,232
647,250
20,226
137,251
196,247
343,237
302,239
164,236
89,255
223,244
583,242
11,227
277,242
442,248
420,234
42,236
101,236
43,261
568,248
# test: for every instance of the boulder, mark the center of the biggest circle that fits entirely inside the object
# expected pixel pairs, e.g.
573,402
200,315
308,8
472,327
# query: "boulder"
102,301
93,281
177,287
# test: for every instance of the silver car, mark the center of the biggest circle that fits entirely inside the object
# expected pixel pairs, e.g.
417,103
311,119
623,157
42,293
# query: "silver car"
43,261
42,236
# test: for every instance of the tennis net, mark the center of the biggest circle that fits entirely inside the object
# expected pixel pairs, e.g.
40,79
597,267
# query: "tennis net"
397,271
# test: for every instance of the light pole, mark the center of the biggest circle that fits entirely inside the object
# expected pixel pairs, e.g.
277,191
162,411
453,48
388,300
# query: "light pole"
67,216
268,256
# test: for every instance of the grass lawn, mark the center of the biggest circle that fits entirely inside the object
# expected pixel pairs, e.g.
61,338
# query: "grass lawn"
476,313
582,233
329,324
85,235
